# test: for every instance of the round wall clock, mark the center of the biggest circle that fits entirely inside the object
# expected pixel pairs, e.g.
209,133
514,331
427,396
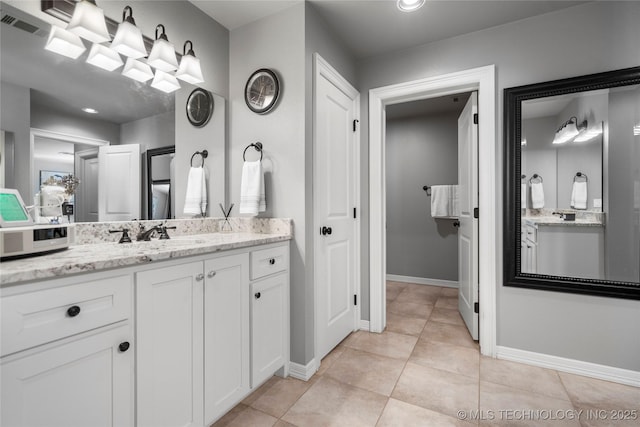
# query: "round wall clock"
199,107
262,91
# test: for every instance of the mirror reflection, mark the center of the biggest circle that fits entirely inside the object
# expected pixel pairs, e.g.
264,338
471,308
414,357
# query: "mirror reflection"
160,183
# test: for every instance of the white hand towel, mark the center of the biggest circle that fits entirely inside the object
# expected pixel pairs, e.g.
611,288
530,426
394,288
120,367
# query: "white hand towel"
579,195
523,196
195,202
252,197
537,195
444,201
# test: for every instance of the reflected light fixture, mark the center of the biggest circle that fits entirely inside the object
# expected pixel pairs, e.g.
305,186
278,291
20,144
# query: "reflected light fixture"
64,43
128,39
137,70
189,69
88,22
569,130
165,82
588,134
636,130
104,57
163,55
410,5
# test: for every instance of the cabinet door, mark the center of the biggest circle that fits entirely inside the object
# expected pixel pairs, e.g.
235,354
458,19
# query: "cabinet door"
86,382
269,323
226,332
169,346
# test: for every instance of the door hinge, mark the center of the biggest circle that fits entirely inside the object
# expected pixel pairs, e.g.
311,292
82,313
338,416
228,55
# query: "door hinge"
354,213
475,118
476,307
355,300
476,213
355,124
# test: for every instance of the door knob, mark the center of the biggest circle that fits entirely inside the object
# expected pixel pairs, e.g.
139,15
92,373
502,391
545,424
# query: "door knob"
257,295
124,346
200,277
325,230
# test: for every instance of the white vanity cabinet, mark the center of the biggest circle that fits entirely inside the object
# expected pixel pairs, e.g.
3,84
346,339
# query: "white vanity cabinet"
68,353
571,250
529,248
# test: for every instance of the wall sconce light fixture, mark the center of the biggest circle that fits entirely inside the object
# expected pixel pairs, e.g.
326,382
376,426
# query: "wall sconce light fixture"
189,69
128,39
569,130
163,54
88,22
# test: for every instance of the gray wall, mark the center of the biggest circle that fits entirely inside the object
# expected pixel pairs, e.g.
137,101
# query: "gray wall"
15,118
151,132
589,38
420,151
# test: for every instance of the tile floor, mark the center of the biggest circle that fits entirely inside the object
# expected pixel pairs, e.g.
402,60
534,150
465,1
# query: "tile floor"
422,371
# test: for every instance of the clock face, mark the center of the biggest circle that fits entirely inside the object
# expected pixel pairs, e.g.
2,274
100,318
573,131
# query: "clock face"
261,91
199,107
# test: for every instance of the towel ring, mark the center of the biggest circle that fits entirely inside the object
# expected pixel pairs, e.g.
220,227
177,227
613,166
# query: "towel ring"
581,175
535,176
204,154
257,146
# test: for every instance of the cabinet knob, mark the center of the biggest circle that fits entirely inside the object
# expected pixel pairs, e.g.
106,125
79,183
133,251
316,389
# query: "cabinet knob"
73,311
124,346
272,261
257,295
211,274
200,277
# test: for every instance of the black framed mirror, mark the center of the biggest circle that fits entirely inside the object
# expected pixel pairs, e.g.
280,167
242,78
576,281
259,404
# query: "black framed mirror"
572,185
160,194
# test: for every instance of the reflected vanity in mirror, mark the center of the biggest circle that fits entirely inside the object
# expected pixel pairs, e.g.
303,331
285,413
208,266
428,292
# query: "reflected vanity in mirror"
160,183
572,185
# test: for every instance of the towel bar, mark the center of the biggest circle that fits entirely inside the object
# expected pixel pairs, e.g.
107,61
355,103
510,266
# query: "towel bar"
580,175
256,145
204,154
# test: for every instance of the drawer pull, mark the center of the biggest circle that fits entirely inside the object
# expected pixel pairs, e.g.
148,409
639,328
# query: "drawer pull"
200,277
124,346
211,274
272,261
257,295
73,311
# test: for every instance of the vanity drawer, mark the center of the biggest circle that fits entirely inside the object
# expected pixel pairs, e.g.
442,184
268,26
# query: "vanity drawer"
531,233
39,317
268,261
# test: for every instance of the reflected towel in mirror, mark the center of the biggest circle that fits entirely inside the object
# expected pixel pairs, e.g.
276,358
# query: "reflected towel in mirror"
579,195
537,195
252,196
523,196
195,202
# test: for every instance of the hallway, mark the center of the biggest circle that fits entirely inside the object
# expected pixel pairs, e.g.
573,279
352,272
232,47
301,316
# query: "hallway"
425,370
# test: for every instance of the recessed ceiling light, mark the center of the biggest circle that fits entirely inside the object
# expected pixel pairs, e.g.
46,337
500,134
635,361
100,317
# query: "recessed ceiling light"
90,110
410,5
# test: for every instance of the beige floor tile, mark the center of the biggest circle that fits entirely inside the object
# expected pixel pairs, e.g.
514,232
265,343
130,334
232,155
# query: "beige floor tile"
281,396
394,289
247,416
423,289
390,344
398,413
424,298
405,324
261,390
524,377
445,315
367,370
599,394
447,302
451,358
331,403
330,358
230,416
502,405
411,309
438,390
449,292
281,423
448,334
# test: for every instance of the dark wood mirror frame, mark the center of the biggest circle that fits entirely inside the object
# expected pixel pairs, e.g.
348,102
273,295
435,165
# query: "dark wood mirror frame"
513,98
151,153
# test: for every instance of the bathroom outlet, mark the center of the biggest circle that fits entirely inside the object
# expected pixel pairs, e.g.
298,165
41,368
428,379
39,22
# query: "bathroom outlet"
597,203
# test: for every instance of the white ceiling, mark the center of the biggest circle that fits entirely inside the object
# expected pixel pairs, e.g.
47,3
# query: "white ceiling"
375,27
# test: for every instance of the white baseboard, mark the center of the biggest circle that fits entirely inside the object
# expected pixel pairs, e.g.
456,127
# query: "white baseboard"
364,325
303,372
423,281
572,366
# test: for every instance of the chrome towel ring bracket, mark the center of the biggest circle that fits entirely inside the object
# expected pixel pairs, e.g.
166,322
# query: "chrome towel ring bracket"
204,154
579,176
535,178
257,146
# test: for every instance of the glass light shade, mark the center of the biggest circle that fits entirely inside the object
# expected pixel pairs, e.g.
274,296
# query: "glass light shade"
189,70
88,22
103,57
163,56
128,41
588,134
165,82
64,43
410,5
137,70
566,133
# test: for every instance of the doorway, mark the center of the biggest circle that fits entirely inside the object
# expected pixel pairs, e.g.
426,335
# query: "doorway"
483,80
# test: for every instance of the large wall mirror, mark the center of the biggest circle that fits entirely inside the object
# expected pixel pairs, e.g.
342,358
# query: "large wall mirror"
572,185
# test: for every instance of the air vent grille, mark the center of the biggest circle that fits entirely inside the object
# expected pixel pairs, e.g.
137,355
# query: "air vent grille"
22,25
7,19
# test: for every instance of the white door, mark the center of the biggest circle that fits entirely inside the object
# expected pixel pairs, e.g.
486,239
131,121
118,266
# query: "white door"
119,182
468,202
86,197
335,183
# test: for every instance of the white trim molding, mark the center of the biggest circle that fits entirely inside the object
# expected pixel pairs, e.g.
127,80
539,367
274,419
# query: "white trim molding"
423,281
572,366
364,325
481,79
303,372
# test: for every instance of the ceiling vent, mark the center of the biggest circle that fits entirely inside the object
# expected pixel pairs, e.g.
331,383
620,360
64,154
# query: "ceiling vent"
16,20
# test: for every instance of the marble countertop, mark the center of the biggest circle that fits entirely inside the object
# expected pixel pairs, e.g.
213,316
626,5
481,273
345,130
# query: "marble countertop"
95,257
557,221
